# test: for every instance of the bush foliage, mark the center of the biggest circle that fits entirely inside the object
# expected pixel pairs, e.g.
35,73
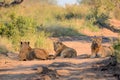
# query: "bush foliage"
116,46
17,26
22,22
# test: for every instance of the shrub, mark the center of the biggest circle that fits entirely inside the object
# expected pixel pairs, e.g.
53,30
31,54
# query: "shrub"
17,27
97,17
89,25
102,20
116,47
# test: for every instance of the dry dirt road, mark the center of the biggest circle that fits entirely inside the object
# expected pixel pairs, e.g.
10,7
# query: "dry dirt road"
79,68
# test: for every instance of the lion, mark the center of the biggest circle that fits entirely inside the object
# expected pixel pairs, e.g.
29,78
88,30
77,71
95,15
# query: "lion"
98,50
63,51
28,53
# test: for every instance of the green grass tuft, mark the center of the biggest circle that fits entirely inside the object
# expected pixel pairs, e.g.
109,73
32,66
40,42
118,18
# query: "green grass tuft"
116,47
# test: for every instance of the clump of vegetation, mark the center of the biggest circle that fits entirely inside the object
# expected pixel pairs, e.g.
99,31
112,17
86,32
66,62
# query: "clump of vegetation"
43,41
17,25
5,45
97,19
116,46
20,28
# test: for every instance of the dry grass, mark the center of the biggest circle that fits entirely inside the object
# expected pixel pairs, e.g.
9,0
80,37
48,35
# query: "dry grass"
47,15
5,45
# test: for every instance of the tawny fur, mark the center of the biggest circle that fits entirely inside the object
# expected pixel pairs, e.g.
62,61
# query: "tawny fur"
64,51
98,50
27,53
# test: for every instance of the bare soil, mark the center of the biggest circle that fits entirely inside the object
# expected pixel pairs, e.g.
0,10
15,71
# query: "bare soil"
79,68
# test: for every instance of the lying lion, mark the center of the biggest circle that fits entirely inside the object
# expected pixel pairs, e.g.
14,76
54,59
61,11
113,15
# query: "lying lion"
63,51
27,53
98,50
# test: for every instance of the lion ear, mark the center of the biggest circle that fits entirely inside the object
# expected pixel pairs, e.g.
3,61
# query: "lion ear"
28,42
21,42
92,39
100,38
60,42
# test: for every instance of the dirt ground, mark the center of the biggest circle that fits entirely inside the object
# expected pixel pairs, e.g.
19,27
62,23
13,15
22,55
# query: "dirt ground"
66,69
79,68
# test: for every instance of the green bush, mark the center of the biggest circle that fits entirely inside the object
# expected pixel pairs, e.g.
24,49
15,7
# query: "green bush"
71,15
116,47
89,24
17,27
97,17
102,20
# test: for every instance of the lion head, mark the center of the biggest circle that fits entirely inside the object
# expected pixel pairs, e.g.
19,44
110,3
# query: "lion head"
24,50
96,42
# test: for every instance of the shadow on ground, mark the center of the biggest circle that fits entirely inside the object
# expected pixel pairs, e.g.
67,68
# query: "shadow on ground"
63,71
85,38
109,27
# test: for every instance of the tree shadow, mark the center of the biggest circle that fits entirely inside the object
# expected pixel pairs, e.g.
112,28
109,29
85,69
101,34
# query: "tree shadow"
87,70
83,56
28,73
70,34
88,39
109,27
31,76
58,31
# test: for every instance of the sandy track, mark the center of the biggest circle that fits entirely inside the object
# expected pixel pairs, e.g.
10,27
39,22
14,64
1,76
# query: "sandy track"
68,69
72,69
77,69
